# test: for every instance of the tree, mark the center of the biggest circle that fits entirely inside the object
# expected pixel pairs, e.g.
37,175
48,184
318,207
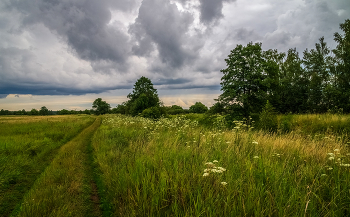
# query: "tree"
44,111
198,107
342,76
317,70
34,112
175,109
293,85
100,107
217,108
243,83
144,96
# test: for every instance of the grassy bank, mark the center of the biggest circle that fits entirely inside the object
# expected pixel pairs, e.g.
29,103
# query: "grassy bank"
27,146
177,168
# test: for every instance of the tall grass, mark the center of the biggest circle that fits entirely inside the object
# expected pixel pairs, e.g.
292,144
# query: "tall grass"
27,146
177,168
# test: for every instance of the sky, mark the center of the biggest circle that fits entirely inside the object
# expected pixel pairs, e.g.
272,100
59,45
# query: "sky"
63,54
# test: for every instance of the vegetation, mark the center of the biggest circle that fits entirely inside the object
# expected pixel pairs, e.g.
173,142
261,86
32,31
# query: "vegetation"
316,83
27,146
173,167
100,107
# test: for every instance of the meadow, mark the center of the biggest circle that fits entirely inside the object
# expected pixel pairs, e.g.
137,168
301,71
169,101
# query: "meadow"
179,166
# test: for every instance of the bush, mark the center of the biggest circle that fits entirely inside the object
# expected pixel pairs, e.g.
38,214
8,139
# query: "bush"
153,112
198,107
268,118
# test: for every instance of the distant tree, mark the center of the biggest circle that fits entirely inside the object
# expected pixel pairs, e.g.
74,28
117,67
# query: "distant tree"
175,109
34,112
144,96
44,111
100,107
243,83
63,112
87,112
198,107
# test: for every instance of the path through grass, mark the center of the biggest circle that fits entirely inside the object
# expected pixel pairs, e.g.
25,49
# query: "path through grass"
65,187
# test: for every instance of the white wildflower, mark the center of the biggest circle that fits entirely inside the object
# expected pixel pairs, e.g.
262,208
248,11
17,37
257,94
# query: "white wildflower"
331,158
215,161
256,157
323,175
206,174
221,168
329,168
224,183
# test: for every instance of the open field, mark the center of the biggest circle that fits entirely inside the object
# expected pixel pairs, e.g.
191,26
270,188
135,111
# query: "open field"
131,166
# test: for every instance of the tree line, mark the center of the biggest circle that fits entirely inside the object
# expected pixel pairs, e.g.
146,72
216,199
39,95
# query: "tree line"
318,82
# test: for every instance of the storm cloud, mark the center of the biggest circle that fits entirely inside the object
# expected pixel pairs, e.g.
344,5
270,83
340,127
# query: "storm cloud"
64,47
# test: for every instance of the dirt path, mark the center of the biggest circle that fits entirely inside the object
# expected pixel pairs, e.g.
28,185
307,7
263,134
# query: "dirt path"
66,187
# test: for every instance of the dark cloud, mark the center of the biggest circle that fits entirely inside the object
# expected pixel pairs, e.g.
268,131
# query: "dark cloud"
244,34
211,10
161,25
82,24
164,81
3,96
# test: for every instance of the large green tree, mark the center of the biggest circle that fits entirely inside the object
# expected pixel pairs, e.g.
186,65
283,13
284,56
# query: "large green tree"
342,74
143,96
243,83
100,107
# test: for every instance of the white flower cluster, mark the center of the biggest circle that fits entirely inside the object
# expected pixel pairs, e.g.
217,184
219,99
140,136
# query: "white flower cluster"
211,168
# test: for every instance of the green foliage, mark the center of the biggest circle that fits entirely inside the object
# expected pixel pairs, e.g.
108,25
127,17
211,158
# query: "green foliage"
100,107
120,109
175,110
34,112
44,111
243,83
144,96
268,118
198,107
153,112
217,108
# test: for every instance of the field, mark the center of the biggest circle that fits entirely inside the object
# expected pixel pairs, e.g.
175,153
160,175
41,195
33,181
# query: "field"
116,165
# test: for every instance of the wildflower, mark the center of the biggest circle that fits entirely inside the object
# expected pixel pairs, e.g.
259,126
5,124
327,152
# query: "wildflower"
323,175
209,164
254,142
331,158
345,165
188,146
224,183
330,154
336,150
207,170
256,157
206,174
329,168
215,161
221,168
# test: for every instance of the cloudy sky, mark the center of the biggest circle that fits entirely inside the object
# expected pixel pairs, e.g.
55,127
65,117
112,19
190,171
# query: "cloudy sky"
63,54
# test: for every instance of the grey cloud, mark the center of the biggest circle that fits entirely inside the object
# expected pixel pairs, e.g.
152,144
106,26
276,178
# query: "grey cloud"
83,24
166,81
3,96
211,10
161,25
244,34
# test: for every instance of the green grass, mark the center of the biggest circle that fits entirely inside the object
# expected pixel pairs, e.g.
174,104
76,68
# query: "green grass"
27,146
156,169
174,167
64,188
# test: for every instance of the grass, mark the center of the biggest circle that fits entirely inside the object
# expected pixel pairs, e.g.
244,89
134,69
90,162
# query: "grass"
132,166
64,188
27,146
158,169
